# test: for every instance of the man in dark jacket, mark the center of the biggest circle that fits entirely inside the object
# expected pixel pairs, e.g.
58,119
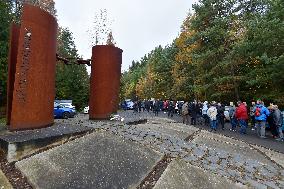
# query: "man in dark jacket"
242,116
156,108
277,120
171,109
220,115
194,109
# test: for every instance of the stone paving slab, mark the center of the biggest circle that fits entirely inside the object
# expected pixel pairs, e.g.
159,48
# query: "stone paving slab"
4,183
275,156
235,147
181,175
97,160
223,138
169,129
163,130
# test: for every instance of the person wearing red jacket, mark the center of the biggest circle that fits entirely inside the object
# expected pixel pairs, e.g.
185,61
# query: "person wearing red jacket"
242,117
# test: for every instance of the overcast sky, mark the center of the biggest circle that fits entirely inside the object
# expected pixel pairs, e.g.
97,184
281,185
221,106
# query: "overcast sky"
138,25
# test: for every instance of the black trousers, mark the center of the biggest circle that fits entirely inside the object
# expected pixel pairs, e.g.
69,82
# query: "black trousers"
221,122
273,129
193,120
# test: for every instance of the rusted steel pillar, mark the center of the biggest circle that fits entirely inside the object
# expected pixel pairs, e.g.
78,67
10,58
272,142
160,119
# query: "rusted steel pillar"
12,59
31,85
105,81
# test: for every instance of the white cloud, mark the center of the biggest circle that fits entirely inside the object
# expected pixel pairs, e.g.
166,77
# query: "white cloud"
139,25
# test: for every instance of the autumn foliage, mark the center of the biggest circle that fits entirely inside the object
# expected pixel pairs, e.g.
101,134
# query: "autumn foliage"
226,51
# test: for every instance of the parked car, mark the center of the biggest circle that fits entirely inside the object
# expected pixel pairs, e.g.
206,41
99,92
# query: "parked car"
63,112
129,104
67,105
86,110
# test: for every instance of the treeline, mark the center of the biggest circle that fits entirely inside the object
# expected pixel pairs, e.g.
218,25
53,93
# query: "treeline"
72,81
227,50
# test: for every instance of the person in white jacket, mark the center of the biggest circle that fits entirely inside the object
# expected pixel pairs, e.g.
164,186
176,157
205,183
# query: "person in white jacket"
212,113
204,113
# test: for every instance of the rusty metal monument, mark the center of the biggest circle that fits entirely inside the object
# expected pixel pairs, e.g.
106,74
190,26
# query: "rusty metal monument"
31,74
105,81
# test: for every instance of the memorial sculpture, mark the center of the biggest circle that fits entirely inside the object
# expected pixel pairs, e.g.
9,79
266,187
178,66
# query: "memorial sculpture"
31,73
105,81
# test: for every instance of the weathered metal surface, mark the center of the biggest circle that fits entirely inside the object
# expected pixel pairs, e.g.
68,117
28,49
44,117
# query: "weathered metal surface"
12,59
105,81
34,85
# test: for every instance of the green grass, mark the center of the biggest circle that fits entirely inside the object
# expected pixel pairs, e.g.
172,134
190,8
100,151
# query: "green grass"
3,124
2,121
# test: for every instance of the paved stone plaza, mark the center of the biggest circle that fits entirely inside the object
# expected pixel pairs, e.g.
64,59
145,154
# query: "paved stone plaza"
121,155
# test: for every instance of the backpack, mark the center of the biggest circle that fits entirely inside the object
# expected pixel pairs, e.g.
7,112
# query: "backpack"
257,111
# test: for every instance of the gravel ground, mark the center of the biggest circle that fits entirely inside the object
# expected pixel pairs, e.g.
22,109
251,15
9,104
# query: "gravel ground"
14,176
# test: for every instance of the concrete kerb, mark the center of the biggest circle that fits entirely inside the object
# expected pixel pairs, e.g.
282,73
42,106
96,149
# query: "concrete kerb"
19,145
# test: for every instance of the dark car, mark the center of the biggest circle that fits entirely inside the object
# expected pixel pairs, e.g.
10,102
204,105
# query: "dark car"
62,112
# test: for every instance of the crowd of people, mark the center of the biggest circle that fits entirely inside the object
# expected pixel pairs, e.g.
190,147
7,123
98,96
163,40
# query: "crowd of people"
214,115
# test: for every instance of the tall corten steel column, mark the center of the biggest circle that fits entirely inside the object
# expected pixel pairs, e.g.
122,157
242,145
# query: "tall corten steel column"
14,43
31,85
105,81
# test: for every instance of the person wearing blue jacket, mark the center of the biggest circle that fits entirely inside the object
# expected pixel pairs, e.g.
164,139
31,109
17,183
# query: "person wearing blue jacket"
261,113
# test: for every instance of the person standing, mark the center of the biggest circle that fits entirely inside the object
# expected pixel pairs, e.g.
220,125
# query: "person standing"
139,105
272,121
242,117
143,105
221,115
147,105
135,107
184,111
278,119
194,111
212,113
261,113
252,118
232,114
171,109
204,113
156,107
180,104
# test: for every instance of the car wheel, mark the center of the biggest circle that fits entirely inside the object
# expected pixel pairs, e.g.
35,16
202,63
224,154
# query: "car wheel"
65,115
